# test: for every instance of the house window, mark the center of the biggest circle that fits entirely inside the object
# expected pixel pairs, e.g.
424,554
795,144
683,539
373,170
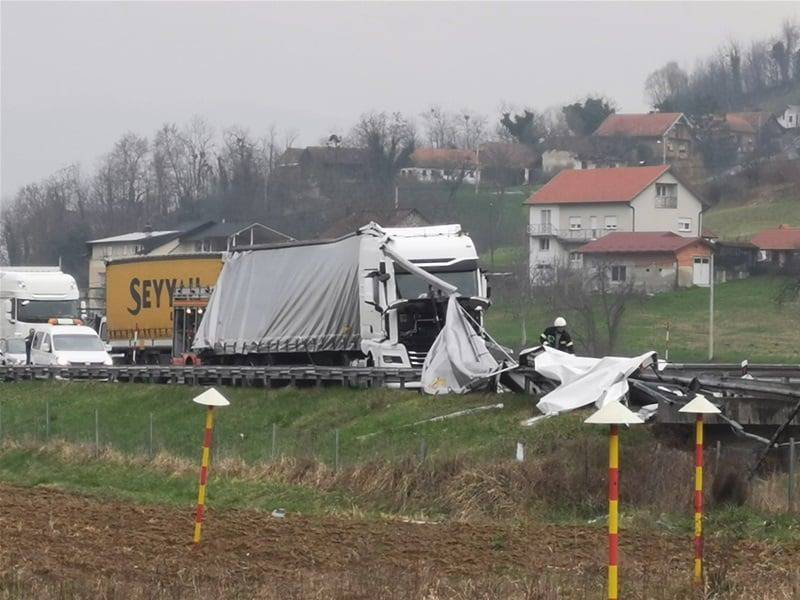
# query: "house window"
684,225
544,244
618,273
666,195
575,223
575,257
611,222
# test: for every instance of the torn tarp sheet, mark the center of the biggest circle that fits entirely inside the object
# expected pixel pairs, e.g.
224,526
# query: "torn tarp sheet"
585,380
459,358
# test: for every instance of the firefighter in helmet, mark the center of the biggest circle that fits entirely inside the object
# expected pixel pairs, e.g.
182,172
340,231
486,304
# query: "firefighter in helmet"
557,336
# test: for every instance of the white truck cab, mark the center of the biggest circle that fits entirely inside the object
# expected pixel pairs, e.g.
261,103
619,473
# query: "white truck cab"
63,342
31,296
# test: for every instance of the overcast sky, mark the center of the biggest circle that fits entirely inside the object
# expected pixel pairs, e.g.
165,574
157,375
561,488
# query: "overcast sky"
75,76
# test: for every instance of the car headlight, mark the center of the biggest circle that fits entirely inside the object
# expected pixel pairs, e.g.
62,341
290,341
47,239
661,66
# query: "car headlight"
62,360
108,361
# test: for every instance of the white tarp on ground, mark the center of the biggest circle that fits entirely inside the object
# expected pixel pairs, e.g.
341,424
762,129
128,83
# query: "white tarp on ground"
585,380
458,358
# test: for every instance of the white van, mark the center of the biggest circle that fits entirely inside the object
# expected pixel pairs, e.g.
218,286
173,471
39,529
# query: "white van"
69,345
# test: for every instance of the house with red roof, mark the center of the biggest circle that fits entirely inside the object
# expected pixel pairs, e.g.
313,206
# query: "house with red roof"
650,261
780,246
579,206
658,138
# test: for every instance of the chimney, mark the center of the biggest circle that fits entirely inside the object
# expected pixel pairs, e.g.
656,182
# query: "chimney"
148,229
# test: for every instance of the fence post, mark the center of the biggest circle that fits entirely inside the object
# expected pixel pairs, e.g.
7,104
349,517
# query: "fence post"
792,468
274,438
717,457
423,449
151,435
96,432
336,451
520,455
47,420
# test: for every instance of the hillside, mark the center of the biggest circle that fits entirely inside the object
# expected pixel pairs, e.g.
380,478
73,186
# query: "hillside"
763,207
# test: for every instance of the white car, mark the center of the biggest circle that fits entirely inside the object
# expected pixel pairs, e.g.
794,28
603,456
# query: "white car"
12,351
69,345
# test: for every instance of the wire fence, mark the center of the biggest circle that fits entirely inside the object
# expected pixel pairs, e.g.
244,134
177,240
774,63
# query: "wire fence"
148,434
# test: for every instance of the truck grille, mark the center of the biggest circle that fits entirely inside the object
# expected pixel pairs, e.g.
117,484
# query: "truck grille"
416,358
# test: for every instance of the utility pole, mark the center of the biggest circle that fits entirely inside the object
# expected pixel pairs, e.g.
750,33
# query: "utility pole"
711,308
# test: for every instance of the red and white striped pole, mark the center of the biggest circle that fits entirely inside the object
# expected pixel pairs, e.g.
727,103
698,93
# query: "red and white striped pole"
698,406
613,414
209,399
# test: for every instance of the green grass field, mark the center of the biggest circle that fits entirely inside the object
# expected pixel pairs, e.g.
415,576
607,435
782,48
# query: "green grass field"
748,322
372,424
745,220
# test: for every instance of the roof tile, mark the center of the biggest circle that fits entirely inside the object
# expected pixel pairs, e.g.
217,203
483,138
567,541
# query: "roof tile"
637,125
639,242
621,184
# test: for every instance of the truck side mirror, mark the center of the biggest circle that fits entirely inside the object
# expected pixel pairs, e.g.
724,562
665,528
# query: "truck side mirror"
7,310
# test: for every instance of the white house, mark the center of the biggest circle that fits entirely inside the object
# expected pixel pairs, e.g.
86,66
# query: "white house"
578,206
790,117
442,164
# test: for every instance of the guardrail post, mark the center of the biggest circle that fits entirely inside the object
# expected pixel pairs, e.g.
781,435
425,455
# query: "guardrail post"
96,432
47,420
792,473
151,435
274,439
336,451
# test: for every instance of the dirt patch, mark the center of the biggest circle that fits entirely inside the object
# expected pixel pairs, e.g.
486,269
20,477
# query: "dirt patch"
49,535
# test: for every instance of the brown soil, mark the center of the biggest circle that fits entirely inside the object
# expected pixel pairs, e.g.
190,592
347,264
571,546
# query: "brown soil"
50,535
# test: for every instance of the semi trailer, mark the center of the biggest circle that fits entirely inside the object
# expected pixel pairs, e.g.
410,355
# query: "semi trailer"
376,297
140,294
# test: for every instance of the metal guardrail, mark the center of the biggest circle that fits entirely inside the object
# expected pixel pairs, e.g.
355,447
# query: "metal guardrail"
220,375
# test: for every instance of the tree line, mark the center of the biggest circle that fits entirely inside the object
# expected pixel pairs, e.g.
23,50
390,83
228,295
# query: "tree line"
734,77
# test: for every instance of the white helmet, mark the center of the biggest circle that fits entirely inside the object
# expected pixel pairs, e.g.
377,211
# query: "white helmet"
560,322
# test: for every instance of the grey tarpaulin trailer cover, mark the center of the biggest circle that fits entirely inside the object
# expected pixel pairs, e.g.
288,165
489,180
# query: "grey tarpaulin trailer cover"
298,298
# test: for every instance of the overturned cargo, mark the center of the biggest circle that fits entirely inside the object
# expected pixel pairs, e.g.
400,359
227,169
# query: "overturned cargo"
377,296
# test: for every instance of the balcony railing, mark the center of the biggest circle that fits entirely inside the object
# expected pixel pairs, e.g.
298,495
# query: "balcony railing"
548,230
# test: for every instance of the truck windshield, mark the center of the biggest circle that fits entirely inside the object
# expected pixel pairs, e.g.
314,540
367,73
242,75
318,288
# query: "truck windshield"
15,346
77,342
39,311
411,286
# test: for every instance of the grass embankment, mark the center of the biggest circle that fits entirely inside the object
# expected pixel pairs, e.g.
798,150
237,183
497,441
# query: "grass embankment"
749,324
468,471
743,220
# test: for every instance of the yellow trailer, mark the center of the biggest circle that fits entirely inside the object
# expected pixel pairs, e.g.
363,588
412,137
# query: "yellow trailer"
139,300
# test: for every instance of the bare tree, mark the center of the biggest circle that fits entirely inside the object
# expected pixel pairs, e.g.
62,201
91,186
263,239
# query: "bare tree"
441,127
471,130
389,140
666,85
592,303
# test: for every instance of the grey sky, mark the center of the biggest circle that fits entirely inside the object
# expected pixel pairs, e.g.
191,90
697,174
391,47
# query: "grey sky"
75,76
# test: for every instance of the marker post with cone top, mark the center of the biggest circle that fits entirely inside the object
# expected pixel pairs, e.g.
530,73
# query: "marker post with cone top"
698,406
613,414
210,399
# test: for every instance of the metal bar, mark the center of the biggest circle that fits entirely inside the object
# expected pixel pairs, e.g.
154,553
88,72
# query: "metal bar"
792,469
772,441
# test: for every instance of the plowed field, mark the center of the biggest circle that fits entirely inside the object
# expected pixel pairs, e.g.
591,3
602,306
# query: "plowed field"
47,535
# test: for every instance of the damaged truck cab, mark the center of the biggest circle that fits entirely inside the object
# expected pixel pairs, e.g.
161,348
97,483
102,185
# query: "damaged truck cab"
405,307
377,297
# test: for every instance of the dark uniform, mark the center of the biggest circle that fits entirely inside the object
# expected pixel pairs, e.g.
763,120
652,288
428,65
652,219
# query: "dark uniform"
28,344
558,338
